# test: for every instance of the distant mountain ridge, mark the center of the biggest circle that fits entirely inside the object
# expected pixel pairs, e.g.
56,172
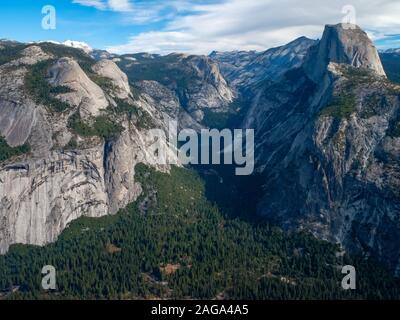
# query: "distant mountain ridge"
397,50
391,62
243,69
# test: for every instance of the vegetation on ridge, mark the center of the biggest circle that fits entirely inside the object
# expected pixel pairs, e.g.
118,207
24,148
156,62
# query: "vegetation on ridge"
7,152
10,52
342,106
139,117
40,89
102,126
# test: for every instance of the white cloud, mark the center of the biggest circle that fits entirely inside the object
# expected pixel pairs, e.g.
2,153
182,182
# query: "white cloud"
98,4
120,5
113,5
259,24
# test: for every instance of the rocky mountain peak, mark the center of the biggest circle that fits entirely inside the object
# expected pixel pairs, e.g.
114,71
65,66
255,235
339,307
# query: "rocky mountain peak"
109,70
84,92
343,43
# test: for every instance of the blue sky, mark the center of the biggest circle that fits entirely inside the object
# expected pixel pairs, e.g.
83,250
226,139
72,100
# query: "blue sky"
195,26
21,20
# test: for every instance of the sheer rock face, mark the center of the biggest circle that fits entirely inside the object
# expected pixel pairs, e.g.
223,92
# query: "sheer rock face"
121,157
209,71
86,95
119,80
196,81
167,105
41,192
40,197
343,43
209,89
327,147
17,113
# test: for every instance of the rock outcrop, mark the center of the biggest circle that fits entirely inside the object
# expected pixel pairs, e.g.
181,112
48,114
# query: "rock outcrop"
343,43
18,112
30,56
85,94
119,80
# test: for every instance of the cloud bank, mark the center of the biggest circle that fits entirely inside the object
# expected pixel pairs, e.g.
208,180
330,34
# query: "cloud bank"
246,24
113,5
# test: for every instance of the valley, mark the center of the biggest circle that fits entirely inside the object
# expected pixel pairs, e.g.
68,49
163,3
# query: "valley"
81,188
220,256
